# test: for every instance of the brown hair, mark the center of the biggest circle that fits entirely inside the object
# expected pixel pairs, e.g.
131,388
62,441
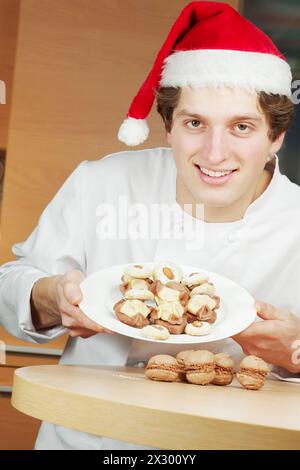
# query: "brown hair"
278,109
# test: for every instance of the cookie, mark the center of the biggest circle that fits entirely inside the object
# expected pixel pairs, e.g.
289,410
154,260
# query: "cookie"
223,369
138,271
165,272
133,312
163,368
198,328
155,332
200,367
252,373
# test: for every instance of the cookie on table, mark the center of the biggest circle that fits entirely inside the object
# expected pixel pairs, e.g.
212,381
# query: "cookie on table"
162,367
133,312
223,369
200,367
252,373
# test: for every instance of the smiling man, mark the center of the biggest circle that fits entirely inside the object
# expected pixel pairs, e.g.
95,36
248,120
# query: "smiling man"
224,93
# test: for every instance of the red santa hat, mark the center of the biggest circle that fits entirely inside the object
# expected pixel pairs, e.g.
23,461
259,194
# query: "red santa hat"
210,44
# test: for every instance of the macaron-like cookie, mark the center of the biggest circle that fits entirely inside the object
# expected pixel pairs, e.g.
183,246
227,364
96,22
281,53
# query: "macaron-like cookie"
194,279
180,357
163,368
165,272
138,271
252,373
206,288
223,369
133,312
155,332
139,294
198,328
200,367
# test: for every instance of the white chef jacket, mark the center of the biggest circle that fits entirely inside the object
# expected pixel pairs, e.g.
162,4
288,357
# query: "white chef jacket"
260,252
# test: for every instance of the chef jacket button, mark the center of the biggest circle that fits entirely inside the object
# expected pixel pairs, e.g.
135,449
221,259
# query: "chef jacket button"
231,238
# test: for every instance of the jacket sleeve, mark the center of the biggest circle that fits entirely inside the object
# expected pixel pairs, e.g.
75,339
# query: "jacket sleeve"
55,246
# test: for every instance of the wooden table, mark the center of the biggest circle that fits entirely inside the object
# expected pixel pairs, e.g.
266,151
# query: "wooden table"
121,403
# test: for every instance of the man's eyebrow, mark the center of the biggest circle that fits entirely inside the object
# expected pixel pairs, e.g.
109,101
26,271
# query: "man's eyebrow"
245,117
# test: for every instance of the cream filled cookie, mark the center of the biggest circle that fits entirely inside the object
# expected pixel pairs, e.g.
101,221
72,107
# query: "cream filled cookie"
163,368
252,373
223,369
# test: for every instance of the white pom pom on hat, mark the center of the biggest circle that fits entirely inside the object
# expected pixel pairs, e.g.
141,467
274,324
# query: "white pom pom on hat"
133,131
210,44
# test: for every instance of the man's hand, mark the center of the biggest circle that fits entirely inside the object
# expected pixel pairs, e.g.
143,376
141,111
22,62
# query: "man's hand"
55,301
273,339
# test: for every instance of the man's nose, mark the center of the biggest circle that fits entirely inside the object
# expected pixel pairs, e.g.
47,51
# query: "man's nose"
216,147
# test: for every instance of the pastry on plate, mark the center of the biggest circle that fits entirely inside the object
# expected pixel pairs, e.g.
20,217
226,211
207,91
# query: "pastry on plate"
203,307
172,291
198,328
133,312
155,332
171,315
165,272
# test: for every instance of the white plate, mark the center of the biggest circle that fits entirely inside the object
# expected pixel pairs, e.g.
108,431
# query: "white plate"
101,292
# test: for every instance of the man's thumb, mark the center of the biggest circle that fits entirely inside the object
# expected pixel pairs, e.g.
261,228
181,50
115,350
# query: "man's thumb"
269,312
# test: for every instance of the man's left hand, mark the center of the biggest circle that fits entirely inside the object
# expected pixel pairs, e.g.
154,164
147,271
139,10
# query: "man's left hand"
276,339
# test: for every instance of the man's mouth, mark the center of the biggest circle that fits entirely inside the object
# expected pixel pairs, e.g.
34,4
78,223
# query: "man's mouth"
215,176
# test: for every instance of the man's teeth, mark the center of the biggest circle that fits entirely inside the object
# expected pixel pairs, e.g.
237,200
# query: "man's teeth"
216,174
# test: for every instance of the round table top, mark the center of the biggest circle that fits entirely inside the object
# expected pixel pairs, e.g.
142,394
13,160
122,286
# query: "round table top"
120,402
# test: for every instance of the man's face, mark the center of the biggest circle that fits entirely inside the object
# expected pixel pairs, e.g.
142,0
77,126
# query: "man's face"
221,131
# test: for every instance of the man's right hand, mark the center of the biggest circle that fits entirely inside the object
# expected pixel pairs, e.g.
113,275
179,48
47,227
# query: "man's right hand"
54,301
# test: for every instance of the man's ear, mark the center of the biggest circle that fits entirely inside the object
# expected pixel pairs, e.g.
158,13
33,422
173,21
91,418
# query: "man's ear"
276,145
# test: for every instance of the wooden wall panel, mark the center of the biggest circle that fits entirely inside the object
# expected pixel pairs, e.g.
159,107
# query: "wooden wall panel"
79,63
9,13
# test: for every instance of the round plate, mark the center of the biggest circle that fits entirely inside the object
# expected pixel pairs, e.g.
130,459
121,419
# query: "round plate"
101,292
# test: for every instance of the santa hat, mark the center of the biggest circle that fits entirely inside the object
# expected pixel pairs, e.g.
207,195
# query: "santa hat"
210,44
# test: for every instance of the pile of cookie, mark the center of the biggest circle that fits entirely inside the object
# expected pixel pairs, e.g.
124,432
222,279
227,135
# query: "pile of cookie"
202,367
161,301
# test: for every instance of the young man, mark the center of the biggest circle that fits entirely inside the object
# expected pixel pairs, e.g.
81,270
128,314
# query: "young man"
226,105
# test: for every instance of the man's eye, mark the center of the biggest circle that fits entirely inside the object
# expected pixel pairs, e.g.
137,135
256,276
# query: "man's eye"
193,124
242,127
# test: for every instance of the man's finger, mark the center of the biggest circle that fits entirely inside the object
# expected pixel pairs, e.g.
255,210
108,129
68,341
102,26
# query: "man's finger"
72,292
269,312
